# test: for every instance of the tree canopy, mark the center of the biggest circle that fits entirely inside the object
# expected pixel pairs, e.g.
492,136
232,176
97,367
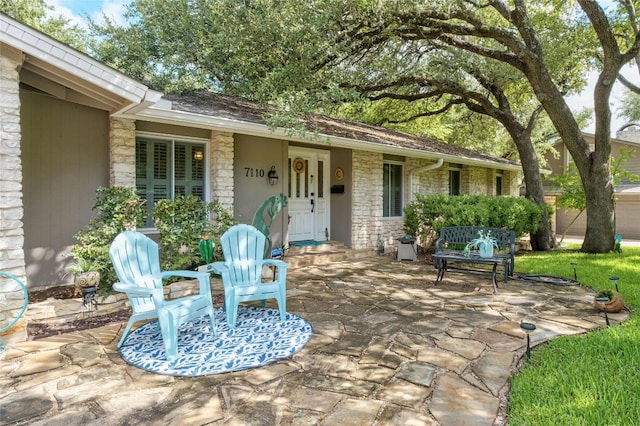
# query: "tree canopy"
35,14
399,64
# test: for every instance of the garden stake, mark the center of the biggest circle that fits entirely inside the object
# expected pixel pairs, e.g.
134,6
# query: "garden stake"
604,300
615,280
528,328
575,274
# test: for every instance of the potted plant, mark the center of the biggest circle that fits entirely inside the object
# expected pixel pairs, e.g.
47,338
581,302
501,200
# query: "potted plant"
86,273
613,305
485,244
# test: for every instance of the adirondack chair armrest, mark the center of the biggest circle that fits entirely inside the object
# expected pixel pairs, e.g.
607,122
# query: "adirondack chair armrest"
134,290
204,278
275,262
220,267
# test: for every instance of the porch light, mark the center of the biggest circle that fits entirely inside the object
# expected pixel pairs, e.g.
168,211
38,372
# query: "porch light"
198,155
272,176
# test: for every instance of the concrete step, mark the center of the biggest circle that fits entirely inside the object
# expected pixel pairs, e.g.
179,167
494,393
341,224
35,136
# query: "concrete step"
325,256
323,246
322,253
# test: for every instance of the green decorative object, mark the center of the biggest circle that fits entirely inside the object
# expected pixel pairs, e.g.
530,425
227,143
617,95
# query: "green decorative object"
485,243
264,216
206,247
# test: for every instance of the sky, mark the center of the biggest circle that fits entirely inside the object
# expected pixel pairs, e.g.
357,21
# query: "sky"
75,10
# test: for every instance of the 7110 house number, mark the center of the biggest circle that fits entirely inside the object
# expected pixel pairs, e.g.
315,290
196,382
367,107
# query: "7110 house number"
254,173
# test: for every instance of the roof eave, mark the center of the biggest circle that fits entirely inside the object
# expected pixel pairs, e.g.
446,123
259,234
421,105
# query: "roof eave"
182,118
44,50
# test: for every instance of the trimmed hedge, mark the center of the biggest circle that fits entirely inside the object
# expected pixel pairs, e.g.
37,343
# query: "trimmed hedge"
182,222
428,213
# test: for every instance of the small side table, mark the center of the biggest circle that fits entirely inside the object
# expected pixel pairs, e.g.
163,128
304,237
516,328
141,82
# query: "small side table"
407,249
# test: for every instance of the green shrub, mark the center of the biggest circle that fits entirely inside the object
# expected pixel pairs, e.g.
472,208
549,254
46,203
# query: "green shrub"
117,209
182,222
429,213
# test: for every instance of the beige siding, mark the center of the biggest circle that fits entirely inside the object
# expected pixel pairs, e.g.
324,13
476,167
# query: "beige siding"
627,214
627,223
66,158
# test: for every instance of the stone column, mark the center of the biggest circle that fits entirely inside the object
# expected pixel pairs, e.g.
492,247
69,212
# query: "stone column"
122,152
367,199
12,258
221,153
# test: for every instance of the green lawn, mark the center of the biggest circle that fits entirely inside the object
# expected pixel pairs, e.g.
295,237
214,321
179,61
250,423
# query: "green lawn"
592,379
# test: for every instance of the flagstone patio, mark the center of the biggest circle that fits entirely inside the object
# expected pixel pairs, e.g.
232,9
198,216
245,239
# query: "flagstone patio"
388,348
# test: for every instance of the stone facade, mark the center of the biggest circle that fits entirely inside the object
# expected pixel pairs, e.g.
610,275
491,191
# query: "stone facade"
473,181
221,153
122,152
367,199
435,181
12,259
367,220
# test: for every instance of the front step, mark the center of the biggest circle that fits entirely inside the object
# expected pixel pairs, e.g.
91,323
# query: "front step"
321,254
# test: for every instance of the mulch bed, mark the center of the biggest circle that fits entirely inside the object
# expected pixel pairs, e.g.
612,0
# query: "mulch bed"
39,330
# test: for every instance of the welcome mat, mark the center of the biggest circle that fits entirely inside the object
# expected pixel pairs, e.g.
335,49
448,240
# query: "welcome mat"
259,338
307,243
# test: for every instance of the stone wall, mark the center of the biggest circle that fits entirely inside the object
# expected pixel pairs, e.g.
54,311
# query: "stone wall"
12,258
367,199
476,181
435,181
122,152
367,220
221,170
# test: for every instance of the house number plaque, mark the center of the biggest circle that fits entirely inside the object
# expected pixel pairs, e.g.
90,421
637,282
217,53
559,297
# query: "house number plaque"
250,172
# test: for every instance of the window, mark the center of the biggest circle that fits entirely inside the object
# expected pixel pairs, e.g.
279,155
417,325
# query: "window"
499,184
166,168
392,190
454,182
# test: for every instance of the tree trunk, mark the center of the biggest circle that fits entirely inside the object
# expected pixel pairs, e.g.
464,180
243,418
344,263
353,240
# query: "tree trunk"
543,239
601,225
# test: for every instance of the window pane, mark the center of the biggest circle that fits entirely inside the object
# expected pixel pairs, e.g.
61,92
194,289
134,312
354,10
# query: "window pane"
180,168
306,179
160,160
454,182
320,179
392,190
386,186
289,180
152,172
189,169
163,172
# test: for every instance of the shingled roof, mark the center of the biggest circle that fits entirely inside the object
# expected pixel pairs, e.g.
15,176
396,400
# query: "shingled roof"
231,108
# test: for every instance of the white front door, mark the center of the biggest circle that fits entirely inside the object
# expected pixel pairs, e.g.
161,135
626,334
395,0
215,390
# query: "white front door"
308,190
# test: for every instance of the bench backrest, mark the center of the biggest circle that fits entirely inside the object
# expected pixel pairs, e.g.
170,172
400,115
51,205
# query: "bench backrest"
462,235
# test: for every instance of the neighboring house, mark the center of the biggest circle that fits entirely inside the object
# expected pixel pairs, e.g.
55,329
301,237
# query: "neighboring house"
71,124
627,194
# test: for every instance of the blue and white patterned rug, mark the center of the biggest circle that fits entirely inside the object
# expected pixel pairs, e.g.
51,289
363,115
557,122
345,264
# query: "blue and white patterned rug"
259,338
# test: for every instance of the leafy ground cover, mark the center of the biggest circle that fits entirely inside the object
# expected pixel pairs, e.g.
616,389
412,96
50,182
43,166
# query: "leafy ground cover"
591,379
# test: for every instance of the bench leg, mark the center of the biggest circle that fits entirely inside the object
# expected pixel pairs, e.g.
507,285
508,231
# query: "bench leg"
493,278
442,266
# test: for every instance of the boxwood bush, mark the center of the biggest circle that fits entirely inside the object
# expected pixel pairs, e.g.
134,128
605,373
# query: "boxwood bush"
117,209
182,222
428,213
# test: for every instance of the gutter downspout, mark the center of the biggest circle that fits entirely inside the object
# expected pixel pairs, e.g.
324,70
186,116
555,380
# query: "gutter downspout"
434,166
